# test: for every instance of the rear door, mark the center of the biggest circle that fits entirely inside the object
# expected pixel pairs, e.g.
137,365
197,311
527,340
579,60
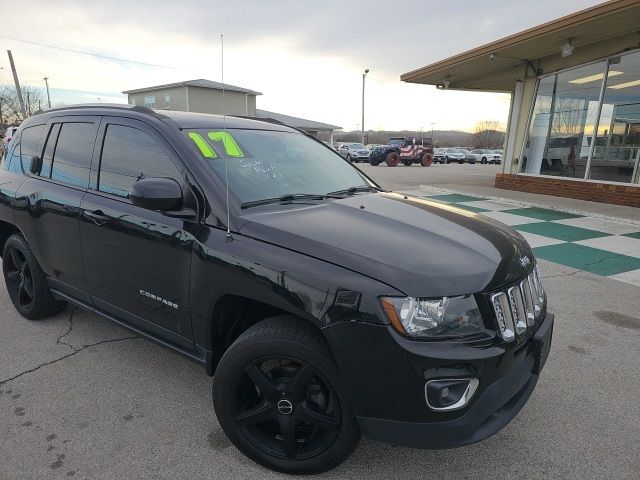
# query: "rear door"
138,261
48,202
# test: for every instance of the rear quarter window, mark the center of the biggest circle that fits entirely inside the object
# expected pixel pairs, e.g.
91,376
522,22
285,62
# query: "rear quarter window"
30,145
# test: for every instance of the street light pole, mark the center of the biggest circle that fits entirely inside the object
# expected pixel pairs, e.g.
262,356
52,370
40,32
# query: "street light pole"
46,82
364,75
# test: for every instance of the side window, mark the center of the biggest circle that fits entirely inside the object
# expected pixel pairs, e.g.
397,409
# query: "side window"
150,101
129,155
50,146
30,145
13,157
72,157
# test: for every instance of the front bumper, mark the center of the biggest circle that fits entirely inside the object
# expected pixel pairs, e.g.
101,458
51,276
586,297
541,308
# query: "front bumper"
390,404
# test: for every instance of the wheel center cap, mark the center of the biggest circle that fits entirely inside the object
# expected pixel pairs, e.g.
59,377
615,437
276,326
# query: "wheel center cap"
285,407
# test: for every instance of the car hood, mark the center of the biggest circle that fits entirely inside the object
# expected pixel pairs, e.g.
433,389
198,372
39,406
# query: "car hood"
420,247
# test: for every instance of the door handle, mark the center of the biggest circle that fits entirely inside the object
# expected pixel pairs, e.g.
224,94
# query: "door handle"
97,216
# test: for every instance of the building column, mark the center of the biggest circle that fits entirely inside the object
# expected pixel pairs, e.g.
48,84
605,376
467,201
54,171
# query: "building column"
331,138
512,123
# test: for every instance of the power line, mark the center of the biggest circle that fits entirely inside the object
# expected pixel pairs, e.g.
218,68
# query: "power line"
93,54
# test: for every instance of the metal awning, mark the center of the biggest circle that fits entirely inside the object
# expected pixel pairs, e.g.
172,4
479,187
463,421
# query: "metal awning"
496,66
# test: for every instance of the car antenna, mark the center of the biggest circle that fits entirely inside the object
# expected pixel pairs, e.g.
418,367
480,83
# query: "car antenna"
224,140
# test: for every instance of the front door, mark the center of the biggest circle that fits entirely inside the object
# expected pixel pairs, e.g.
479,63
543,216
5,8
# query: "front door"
137,261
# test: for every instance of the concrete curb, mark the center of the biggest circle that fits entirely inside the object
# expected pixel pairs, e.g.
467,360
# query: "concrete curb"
530,204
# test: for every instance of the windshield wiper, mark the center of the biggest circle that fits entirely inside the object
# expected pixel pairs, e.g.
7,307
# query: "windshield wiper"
354,190
289,197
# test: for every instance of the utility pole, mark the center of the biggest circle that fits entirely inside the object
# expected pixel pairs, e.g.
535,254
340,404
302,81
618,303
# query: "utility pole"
28,103
364,75
46,82
17,83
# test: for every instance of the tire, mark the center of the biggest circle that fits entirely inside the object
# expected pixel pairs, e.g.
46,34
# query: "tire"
426,160
447,161
307,400
483,161
407,163
26,282
348,157
392,159
374,163
460,162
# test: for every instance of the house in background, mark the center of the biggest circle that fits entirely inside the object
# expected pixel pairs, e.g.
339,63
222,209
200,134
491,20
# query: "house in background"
205,96
201,96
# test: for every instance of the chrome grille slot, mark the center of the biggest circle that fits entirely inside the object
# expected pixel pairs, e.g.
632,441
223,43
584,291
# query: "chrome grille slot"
527,296
503,314
517,309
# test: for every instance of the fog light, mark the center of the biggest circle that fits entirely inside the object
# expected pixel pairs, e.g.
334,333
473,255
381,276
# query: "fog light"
444,395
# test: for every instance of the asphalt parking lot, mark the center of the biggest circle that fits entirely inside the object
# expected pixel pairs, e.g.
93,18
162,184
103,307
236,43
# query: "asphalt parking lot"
82,398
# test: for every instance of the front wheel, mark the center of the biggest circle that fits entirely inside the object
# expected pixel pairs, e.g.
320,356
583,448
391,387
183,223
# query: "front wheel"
392,159
279,399
348,157
484,160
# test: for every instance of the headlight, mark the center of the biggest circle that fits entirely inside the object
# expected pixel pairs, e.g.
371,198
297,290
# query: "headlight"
439,317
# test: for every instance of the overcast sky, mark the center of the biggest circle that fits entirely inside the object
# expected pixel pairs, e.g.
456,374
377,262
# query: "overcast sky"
306,57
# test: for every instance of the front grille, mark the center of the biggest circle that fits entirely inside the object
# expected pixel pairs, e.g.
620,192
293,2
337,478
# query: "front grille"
519,307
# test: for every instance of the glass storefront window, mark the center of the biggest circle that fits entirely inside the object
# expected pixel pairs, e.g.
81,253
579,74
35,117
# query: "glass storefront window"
616,154
566,111
570,121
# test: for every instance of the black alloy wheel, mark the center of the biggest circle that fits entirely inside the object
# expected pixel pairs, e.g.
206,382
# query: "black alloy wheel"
26,282
279,397
286,409
18,278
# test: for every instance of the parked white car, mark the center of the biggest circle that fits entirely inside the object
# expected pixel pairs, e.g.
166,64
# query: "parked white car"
354,152
486,156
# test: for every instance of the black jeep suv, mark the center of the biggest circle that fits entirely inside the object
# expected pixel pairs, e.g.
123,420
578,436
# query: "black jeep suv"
325,306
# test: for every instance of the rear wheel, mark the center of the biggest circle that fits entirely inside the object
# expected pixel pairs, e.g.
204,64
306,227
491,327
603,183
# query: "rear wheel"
484,160
348,157
373,162
427,160
26,282
392,159
278,397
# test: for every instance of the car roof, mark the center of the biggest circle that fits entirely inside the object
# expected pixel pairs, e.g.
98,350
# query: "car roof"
183,120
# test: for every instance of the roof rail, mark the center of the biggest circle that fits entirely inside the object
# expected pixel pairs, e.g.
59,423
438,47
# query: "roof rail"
114,106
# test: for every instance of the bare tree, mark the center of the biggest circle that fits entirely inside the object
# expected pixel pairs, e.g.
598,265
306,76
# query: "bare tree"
10,111
488,134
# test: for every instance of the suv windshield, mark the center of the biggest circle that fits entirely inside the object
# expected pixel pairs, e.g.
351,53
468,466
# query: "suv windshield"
396,141
266,164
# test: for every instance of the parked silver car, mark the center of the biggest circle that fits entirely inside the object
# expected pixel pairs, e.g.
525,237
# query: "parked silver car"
454,155
354,152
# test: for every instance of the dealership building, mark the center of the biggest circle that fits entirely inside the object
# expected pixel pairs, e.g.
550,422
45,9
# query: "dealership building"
574,123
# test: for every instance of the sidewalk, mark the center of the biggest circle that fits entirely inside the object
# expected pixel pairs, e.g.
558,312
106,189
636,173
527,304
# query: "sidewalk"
595,209
573,233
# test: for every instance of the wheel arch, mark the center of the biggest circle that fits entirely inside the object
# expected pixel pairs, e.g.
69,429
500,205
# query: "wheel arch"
6,230
232,314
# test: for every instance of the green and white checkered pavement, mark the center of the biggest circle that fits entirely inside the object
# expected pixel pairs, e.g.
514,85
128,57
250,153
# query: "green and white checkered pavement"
600,246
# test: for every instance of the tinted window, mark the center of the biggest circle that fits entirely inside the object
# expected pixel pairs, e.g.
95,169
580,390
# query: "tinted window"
30,144
72,157
50,146
13,157
129,155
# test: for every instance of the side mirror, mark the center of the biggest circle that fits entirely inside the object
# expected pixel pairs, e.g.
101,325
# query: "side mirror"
36,165
161,194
